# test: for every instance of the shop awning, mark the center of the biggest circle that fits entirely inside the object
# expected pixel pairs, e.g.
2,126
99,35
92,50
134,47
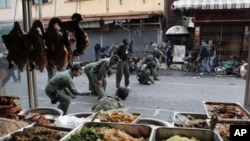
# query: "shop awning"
177,30
210,4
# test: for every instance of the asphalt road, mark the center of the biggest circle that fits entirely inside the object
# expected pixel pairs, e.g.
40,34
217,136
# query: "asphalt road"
177,91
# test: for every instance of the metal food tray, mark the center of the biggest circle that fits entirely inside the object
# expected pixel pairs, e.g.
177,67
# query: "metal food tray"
21,129
81,114
60,129
163,133
102,113
230,123
220,118
134,130
47,112
195,115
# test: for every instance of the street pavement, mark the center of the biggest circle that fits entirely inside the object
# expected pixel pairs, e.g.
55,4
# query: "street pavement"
177,91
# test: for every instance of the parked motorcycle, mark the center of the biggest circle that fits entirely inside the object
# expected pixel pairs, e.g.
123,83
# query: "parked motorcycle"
229,67
190,64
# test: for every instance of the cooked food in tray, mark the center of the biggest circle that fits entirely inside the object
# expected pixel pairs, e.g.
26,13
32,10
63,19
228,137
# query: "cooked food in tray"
180,138
10,125
36,117
102,134
38,133
190,121
118,116
226,111
223,130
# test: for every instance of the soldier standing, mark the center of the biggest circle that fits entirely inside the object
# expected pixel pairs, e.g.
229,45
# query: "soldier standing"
123,67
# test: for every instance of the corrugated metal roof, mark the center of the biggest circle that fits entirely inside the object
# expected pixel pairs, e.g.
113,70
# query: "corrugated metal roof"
210,4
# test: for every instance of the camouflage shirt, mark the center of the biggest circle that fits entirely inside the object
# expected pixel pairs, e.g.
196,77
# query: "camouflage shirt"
108,103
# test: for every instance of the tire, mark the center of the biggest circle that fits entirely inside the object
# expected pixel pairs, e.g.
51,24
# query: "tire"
186,67
219,70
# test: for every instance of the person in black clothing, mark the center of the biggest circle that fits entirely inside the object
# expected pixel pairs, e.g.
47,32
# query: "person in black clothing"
97,49
169,53
131,47
123,67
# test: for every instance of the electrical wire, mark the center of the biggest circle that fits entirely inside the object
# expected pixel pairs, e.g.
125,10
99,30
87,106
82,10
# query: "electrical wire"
15,11
55,9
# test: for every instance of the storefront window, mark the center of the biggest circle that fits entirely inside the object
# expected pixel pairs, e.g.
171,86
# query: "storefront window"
4,3
13,82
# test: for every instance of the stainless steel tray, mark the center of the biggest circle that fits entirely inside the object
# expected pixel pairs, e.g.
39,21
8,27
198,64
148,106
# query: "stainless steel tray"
81,114
211,108
181,118
134,130
163,133
8,135
102,115
60,130
222,126
153,122
47,112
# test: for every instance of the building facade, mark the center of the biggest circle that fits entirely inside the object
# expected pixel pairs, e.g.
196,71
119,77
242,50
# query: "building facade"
106,21
225,22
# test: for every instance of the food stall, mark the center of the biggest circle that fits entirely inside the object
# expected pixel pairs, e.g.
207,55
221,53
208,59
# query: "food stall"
50,124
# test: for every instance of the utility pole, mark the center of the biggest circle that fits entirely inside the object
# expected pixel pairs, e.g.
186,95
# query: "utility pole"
40,9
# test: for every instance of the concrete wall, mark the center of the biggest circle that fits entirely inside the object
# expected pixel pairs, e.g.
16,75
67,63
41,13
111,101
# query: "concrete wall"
92,7
111,37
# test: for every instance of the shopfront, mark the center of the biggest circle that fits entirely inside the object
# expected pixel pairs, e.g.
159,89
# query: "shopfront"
225,22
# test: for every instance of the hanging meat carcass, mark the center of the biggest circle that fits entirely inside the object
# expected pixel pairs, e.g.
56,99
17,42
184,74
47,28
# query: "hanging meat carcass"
57,43
81,37
35,45
17,52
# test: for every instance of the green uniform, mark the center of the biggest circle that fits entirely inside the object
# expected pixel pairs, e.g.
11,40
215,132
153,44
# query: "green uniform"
87,69
144,75
122,67
98,72
108,103
51,72
150,58
57,84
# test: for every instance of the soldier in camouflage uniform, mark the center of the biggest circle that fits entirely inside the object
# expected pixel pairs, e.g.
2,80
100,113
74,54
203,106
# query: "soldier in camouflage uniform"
60,87
144,73
110,103
98,73
123,67
151,54
87,69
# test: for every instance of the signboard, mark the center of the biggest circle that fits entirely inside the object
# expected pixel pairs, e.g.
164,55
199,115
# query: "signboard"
179,53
